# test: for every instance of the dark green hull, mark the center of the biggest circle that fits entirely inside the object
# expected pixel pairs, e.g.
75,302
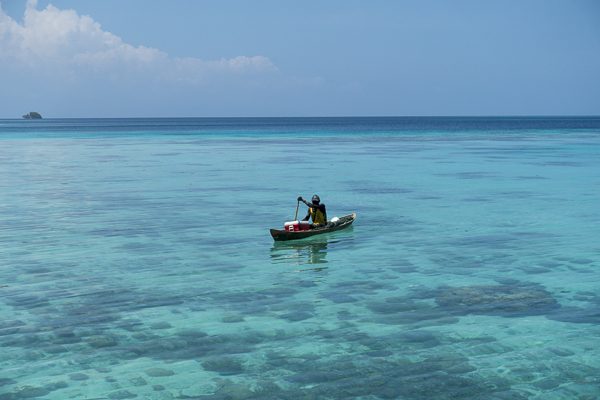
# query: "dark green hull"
344,222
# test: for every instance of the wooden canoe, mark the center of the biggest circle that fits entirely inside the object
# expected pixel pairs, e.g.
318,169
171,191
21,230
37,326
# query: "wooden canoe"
342,223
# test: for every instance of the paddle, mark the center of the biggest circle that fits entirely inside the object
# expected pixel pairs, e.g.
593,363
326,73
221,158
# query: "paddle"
296,215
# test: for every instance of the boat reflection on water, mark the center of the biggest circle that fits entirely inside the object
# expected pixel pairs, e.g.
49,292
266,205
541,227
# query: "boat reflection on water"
311,251
306,251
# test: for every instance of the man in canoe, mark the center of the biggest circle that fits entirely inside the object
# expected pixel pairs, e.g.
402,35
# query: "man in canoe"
316,211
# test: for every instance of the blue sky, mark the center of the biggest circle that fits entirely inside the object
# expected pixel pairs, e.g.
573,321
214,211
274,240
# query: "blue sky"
115,58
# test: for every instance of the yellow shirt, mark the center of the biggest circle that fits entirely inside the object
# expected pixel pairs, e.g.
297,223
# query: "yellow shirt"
317,216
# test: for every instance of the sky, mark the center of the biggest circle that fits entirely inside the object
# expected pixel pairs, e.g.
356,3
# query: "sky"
197,58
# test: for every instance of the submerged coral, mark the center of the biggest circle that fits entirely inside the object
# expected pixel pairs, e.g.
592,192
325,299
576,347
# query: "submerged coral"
505,300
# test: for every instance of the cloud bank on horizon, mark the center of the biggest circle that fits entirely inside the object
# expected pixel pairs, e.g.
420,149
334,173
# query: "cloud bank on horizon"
62,38
63,52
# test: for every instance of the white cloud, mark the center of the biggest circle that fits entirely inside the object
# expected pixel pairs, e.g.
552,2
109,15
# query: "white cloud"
64,40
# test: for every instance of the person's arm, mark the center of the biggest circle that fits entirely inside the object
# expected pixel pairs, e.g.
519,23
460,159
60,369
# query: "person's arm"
304,201
324,211
308,204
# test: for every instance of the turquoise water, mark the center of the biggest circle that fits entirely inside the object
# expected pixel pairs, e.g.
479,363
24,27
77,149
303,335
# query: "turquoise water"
136,262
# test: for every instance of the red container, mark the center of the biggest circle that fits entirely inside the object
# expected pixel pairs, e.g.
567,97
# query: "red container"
295,226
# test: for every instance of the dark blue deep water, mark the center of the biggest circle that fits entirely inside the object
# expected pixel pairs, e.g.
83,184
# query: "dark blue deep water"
263,126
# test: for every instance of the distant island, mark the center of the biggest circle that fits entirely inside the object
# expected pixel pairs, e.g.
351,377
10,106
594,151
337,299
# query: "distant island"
32,115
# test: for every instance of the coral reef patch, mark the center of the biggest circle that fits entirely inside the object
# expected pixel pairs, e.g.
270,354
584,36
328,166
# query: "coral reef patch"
502,300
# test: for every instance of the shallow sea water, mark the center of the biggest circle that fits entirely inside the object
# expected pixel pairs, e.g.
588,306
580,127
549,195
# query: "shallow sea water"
136,262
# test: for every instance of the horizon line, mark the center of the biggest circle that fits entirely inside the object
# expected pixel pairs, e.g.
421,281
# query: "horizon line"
326,116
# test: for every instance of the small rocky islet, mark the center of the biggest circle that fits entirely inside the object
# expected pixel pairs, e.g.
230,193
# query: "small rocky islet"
32,115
